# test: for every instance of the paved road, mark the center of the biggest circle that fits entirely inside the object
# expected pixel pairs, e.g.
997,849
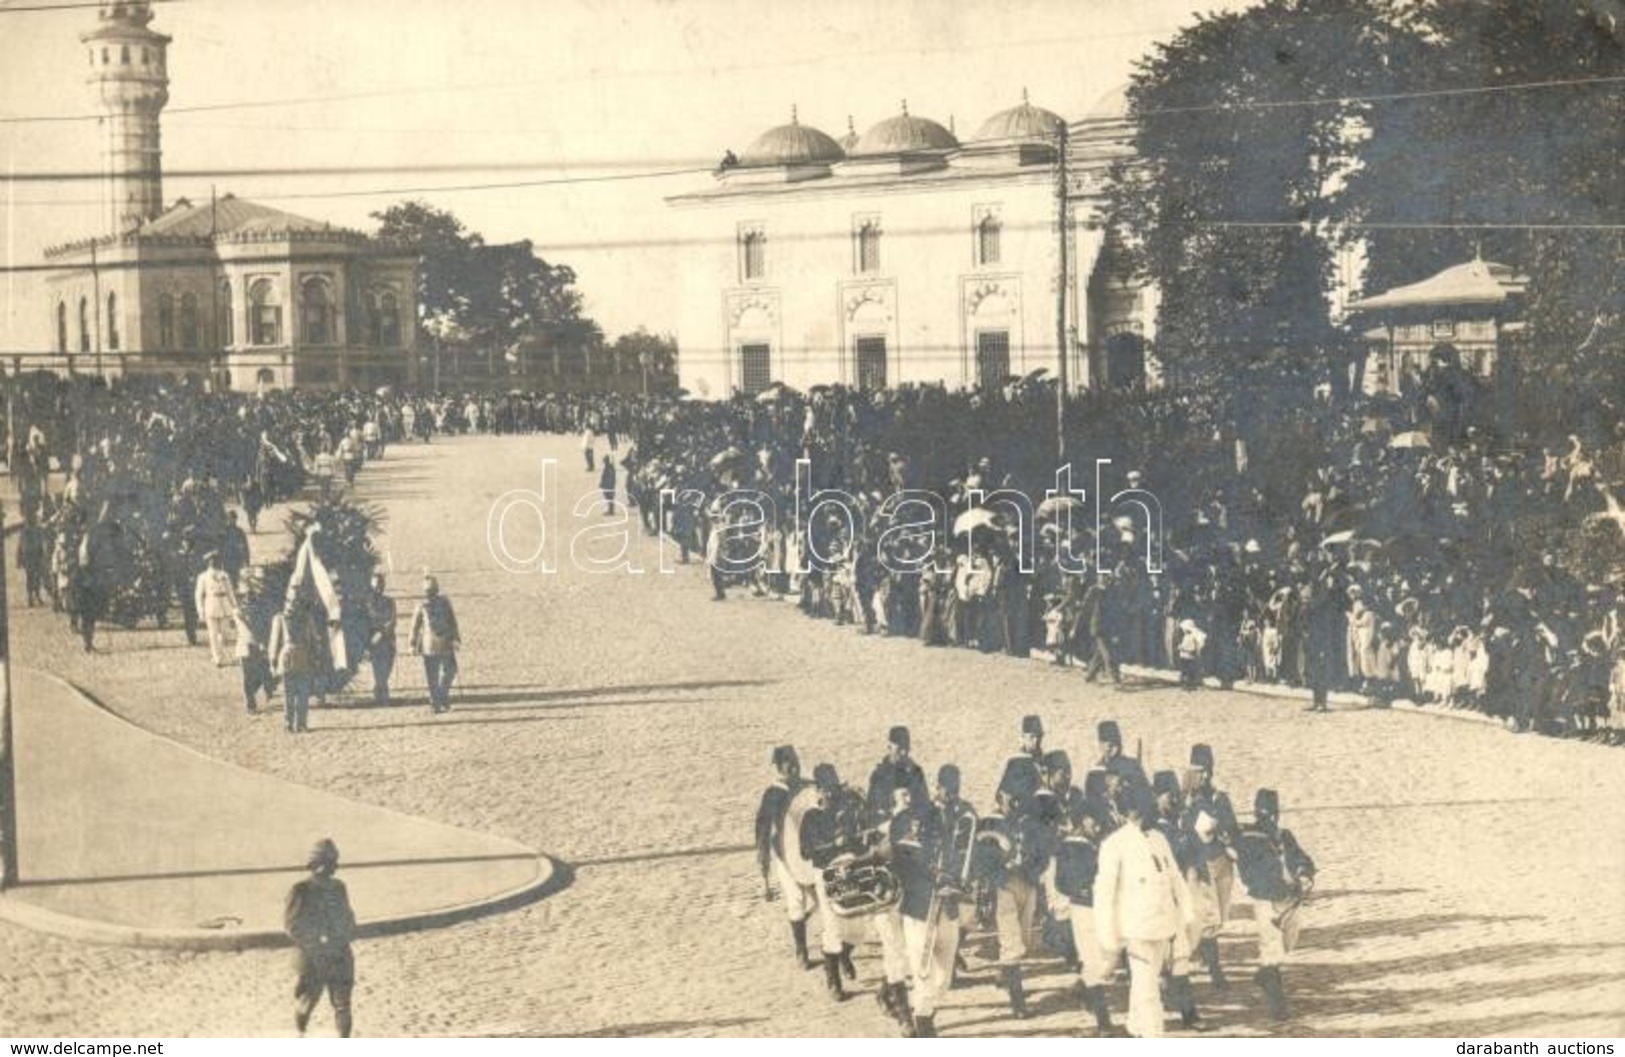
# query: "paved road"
1472,882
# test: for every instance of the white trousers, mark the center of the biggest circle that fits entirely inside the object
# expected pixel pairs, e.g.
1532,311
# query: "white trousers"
219,628
1145,961
799,900
1097,966
893,951
933,966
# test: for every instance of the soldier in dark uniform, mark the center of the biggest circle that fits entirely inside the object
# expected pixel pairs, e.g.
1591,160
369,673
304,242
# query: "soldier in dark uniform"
382,620
1072,876
1210,859
1023,771
1112,760
1011,859
322,924
932,863
1098,790
829,830
896,771
1051,805
799,900
1278,876
1168,820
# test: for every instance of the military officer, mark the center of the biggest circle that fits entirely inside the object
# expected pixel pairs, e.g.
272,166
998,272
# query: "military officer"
1024,771
1141,905
1072,876
905,824
216,602
895,771
1278,876
799,899
1211,866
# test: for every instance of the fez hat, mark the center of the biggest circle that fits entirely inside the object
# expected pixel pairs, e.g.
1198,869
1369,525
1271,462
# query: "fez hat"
1032,725
1057,760
1202,756
1165,782
431,586
1094,784
825,777
1267,802
784,754
324,853
948,777
1107,731
898,736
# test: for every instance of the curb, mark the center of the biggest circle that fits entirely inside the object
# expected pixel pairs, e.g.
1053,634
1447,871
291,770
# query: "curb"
549,879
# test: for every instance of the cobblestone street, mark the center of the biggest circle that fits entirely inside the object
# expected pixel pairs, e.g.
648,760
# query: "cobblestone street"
1471,882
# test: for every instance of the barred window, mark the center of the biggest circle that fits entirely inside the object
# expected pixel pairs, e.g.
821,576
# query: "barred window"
869,247
755,253
988,233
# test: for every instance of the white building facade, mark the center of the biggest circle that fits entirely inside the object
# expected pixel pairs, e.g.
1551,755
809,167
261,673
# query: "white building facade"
907,257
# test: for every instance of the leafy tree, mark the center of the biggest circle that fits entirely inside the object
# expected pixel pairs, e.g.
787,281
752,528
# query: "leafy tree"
483,296
661,350
1230,203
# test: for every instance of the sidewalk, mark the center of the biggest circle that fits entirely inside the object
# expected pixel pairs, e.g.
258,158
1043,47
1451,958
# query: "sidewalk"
126,837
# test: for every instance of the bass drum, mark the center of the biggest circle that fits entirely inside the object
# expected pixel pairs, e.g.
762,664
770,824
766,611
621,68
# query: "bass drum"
803,871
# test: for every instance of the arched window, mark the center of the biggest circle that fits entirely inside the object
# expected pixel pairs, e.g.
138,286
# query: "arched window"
869,247
222,319
112,321
987,240
62,327
166,322
755,255
389,320
189,323
316,311
264,314
84,324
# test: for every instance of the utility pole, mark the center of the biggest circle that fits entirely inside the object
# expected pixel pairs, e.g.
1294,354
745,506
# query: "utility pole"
8,765
1063,283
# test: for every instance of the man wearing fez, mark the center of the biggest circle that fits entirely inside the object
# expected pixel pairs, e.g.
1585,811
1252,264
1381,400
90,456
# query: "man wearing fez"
1023,771
1278,876
382,618
1210,860
895,771
1112,760
434,637
799,899
1141,905
321,924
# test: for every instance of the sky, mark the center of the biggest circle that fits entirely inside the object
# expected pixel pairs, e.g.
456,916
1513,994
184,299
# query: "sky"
547,89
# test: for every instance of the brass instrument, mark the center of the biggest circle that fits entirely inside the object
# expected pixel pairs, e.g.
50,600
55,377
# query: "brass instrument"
856,887
953,873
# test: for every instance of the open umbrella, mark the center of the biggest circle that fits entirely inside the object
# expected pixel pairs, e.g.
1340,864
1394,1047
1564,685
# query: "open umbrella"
1414,438
1033,376
726,456
1055,504
973,519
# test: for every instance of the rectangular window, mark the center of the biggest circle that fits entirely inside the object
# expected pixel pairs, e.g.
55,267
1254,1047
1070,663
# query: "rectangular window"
754,251
871,357
755,368
266,323
992,358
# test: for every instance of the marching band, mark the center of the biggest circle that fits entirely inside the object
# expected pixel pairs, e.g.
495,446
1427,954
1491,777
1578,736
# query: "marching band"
1126,872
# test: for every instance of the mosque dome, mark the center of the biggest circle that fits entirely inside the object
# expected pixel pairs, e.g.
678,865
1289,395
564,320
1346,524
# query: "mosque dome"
792,144
1021,122
903,134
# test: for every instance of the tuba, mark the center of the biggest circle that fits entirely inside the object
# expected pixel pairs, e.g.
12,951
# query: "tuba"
861,886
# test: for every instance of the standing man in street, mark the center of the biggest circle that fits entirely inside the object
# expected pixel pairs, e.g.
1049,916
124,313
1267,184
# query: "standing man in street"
1278,876
799,900
1140,904
382,619
606,484
434,638
321,924
216,603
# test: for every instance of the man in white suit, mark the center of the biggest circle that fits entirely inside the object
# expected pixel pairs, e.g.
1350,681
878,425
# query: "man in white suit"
1140,904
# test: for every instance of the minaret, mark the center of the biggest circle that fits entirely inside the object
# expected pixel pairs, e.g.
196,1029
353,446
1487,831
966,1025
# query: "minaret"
129,70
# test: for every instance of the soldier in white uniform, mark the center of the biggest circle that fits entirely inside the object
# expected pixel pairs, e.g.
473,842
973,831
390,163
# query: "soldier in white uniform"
216,603
1140,905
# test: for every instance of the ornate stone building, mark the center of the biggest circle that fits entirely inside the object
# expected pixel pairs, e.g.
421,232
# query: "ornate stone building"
906,255
233,291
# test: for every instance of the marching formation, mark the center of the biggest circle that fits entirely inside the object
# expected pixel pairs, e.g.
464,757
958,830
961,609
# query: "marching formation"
1125,872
